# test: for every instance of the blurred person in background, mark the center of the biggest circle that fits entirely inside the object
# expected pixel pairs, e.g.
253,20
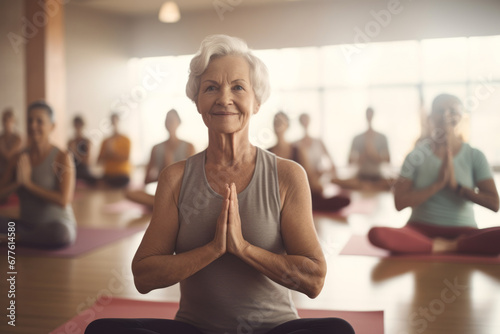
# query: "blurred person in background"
441,180
44,177
162,155
114,155
80,146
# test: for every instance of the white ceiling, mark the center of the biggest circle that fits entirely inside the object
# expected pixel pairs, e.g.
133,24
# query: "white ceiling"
147,7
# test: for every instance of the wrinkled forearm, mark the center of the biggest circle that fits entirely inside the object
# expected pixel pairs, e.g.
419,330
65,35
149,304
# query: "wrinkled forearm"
295,272
160,271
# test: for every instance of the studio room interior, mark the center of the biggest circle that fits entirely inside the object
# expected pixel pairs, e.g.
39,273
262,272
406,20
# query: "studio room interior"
237,166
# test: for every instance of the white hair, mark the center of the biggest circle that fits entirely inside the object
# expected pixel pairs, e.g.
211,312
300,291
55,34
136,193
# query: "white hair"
215,46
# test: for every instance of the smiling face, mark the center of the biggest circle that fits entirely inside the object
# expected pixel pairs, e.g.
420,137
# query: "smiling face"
226,99
447,113
39,125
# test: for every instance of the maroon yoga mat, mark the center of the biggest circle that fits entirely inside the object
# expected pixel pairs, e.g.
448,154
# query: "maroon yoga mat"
369,322
9,202
87,239
359,206
360,245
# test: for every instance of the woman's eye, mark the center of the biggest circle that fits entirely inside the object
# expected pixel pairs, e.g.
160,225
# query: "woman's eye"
238,87
210,88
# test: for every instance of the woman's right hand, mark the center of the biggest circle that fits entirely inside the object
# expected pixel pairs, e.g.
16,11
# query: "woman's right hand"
220,240
444,172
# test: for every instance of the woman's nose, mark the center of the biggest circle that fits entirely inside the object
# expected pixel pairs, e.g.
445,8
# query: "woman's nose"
225,96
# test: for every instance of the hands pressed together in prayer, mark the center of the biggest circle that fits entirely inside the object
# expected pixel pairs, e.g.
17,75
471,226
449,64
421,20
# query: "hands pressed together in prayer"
23,175
447,177
228,236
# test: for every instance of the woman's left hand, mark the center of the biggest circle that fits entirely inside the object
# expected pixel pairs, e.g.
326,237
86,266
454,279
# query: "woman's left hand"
235,241
24,170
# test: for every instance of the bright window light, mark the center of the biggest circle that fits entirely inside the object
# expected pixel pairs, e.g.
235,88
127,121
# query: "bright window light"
393,77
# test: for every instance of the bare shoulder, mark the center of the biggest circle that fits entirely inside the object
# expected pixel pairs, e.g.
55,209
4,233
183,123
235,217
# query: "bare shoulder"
288,170
291,177
171,177
158,146
63,155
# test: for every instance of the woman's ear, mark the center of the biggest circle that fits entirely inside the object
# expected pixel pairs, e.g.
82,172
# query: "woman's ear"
256,108
196,104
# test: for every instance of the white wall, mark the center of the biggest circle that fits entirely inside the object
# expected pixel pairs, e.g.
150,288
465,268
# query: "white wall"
318,22
12,69
99,45
97,53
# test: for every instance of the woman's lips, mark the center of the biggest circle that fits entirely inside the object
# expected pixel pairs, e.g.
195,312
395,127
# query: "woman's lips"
224,113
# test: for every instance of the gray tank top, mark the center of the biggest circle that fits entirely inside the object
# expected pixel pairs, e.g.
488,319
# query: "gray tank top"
229,296
36,210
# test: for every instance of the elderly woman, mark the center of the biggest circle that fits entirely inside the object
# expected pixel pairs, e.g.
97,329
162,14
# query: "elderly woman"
233,223
440,180
44,180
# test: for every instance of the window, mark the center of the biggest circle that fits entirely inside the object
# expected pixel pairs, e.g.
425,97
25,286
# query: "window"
397,79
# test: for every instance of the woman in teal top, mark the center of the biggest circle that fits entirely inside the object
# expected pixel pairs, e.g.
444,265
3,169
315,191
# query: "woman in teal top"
440,180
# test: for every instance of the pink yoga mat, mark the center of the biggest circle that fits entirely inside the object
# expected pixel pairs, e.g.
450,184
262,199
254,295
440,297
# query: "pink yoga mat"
369,322
12,201
360,245
87,239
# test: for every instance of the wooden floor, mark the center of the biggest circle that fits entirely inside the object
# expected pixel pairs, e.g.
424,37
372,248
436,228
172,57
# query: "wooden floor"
50,291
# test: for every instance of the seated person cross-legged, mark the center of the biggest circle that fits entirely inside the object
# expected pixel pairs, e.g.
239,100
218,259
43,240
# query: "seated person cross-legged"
80,147
44,178
440,180
115,157
317,155
232,224
369,151
162,155
10,141
297,153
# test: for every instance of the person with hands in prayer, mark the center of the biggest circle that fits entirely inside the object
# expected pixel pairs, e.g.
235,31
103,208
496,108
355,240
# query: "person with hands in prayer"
369,151
44,177
232,224
114,155
440,180
298,153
